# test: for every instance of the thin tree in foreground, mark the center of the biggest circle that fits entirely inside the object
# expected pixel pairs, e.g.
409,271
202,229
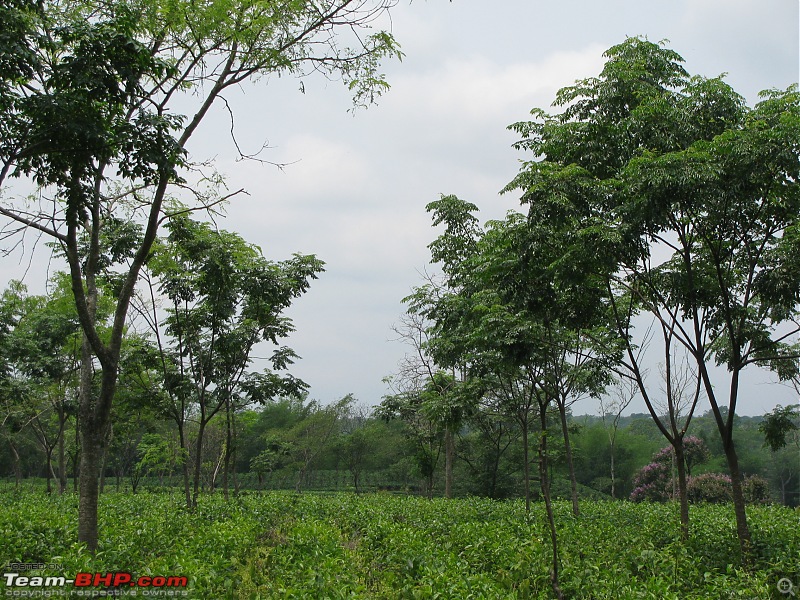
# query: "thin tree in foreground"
92,100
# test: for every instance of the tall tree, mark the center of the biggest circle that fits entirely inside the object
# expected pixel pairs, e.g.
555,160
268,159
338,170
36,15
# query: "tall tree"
42,350
91,98
225,298
667,191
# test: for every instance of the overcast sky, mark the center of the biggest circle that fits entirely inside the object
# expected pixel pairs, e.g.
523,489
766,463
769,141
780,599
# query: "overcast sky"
355,186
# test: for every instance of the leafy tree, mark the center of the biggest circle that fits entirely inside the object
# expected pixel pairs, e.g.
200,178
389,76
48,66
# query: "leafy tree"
359,443
529,355
645,162
487,447
226,298
443,398
779,426
313,435
41,351
91,103
425,433
780,429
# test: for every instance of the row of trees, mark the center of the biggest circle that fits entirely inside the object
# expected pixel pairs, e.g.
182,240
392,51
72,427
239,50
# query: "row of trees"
210,298
297,443
99,102
656,201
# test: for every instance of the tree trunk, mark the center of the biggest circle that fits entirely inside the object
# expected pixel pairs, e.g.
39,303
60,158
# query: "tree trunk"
17,463
526,468
198,460
185,465
683,496
562,410
90,455
89,490
449,451
742,529
233,450
62,462
227,453
94,420
103,457
544,481
51,474
725,427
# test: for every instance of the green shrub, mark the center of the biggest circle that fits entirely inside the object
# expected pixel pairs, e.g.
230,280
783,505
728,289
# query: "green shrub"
383,546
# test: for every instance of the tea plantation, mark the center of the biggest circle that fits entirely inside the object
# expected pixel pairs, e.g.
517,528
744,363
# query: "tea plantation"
318,546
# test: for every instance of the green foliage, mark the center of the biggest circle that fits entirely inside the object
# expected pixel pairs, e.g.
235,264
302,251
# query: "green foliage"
282,545
716,488
778,425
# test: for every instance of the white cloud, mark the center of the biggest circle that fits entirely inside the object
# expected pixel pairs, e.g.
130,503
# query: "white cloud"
469,89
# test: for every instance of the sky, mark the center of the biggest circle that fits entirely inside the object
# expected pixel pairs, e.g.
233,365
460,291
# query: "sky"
354,186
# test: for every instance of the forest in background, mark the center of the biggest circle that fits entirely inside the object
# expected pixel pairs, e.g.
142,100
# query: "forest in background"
649,195
300,444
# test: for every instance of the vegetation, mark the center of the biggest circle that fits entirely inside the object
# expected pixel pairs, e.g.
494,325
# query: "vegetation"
654,197
284,545
94,99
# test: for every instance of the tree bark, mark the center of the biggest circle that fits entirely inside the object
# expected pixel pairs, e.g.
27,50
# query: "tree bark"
62,463
198,460
562,410
185,464
526,468
683,496
544,480
448,462
742,529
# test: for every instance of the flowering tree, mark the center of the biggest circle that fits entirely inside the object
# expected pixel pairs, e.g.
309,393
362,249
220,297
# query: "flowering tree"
656,481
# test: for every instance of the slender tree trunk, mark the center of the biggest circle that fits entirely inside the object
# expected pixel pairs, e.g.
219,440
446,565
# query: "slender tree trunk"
233,448
62,462
683,495
51,474
227,453
184,463
544,480
17,463
725,427
198,460
562,410
217,468
742,529
526,468
449,451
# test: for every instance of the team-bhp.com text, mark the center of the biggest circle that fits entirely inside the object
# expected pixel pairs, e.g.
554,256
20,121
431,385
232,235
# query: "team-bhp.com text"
88,584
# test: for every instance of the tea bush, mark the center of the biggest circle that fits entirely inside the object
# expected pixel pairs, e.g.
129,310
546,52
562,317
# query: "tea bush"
283,545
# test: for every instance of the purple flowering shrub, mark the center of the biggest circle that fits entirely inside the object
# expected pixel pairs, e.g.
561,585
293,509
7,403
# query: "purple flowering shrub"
653,482
656,481
716,487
